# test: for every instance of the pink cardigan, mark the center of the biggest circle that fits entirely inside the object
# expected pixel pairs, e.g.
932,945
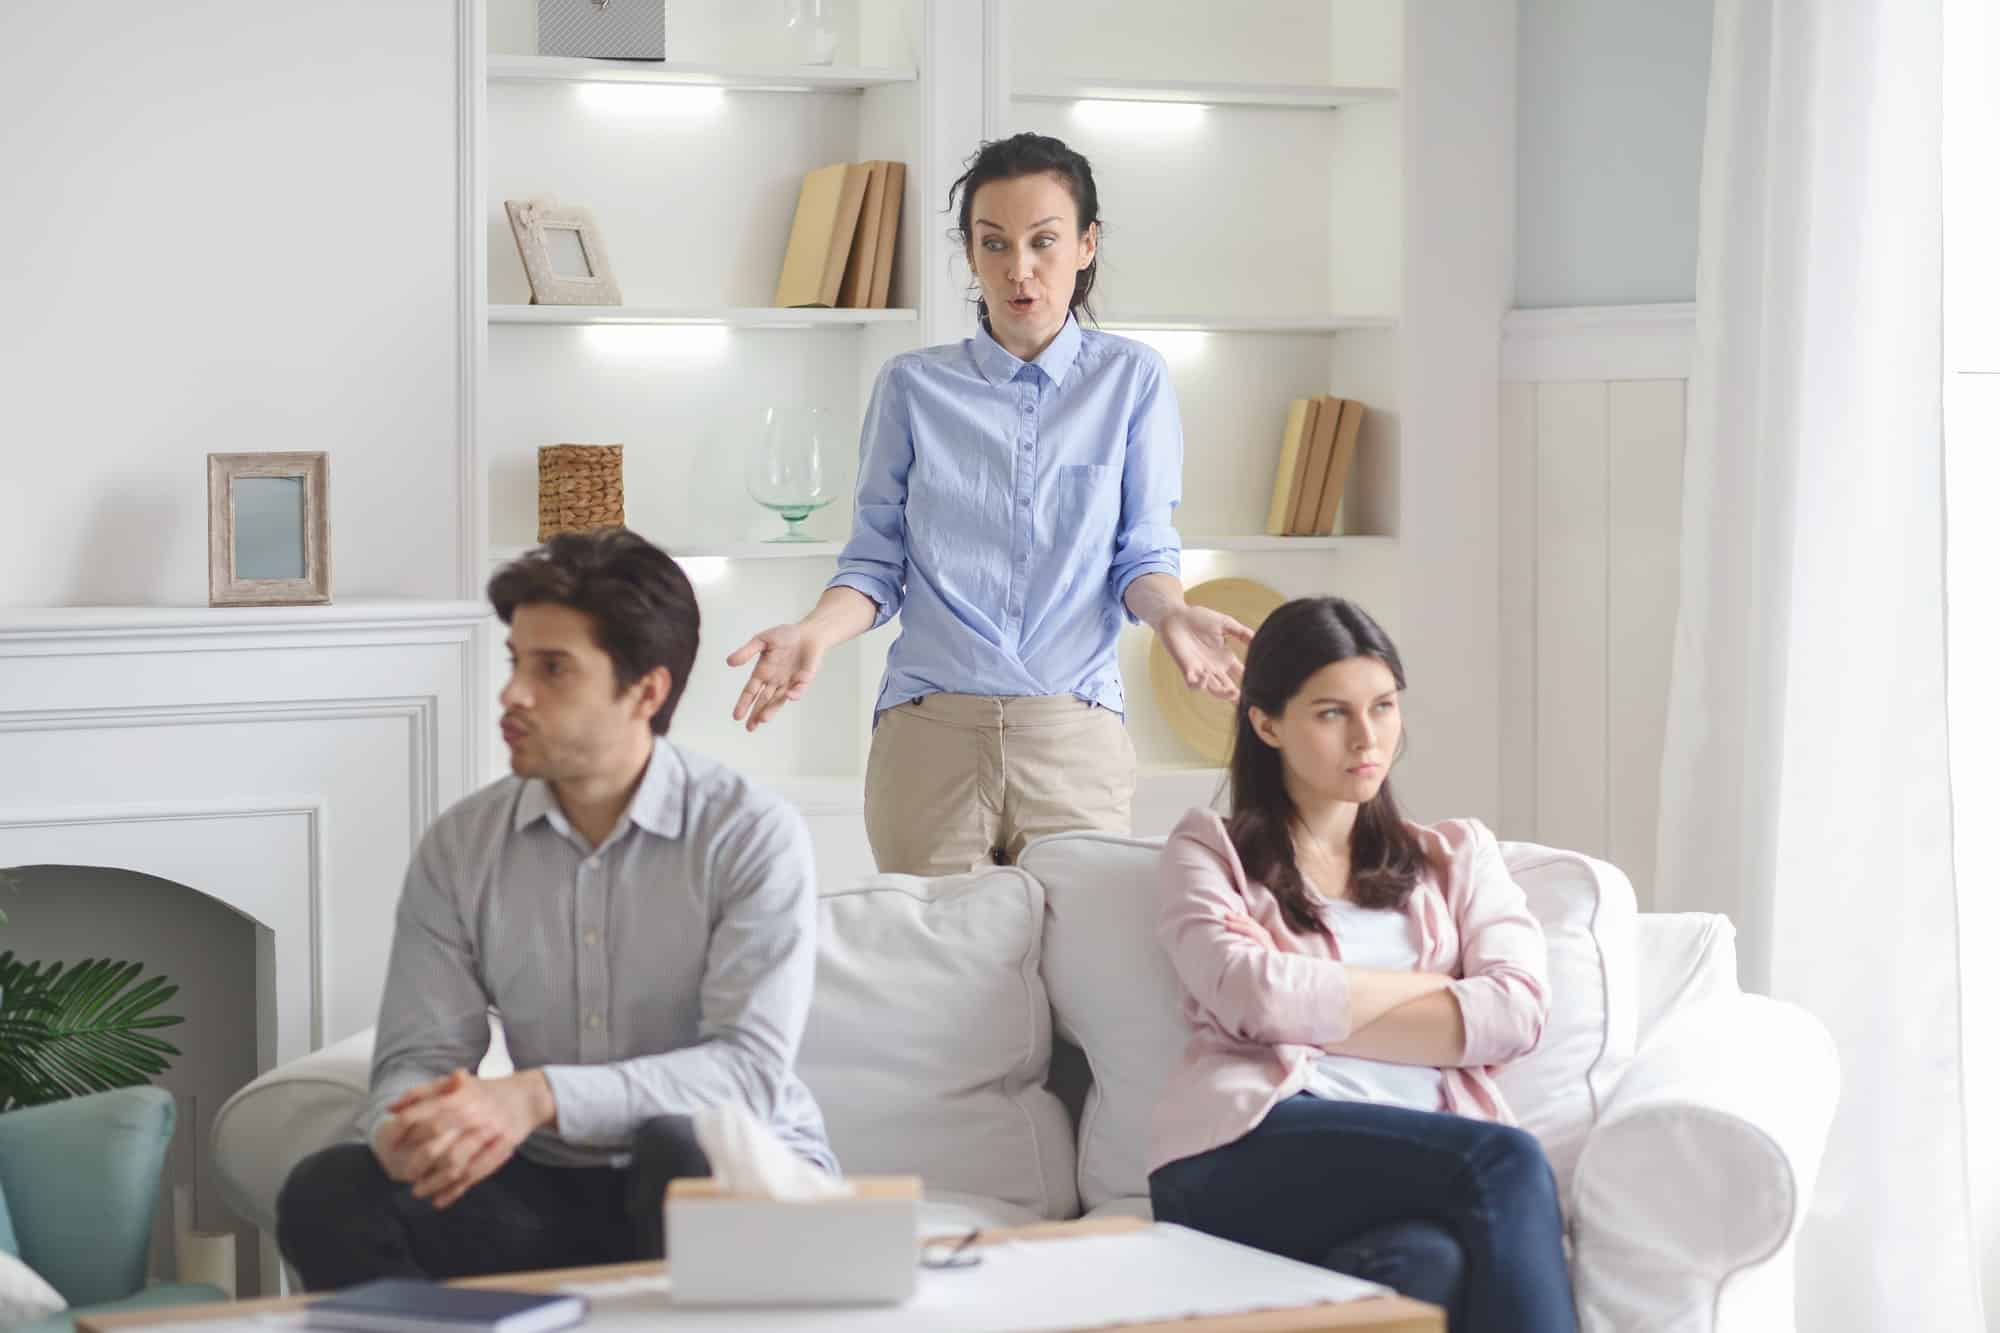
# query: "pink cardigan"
1259,1016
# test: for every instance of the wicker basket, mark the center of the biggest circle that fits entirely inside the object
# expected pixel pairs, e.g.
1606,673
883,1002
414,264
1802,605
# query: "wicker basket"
582,487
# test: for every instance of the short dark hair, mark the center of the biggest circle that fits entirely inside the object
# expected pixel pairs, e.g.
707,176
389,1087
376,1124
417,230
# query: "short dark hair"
641,606
1030,155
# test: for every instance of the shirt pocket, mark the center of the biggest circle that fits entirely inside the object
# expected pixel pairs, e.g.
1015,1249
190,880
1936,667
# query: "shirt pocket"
1085,507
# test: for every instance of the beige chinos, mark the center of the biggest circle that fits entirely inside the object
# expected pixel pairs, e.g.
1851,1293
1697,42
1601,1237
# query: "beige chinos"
959,781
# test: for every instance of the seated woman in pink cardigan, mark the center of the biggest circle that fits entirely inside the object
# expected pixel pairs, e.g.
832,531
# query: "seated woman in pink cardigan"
1353,980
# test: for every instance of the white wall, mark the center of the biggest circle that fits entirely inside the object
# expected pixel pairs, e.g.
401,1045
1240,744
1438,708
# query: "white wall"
231,227
1458,94
1613,97
1590,563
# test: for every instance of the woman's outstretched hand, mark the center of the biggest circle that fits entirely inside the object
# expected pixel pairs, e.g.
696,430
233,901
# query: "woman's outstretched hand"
787,658
1198,640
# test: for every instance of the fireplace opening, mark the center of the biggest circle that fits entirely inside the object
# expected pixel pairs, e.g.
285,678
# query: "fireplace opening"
212,953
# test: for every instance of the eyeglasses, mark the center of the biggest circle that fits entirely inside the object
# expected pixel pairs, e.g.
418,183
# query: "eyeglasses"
960,1255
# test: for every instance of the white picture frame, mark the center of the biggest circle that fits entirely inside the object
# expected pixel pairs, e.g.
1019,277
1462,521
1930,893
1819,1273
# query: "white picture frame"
563,253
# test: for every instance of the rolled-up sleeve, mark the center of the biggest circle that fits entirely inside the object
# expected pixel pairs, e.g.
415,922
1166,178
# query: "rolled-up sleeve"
873,562
1503,990
1147,542
1253,993
754,995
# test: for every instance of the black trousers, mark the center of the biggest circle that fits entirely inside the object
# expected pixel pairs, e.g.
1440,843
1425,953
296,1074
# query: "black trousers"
342,1220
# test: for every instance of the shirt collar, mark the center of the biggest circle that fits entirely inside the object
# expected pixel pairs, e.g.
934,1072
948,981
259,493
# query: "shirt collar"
658,806
999,365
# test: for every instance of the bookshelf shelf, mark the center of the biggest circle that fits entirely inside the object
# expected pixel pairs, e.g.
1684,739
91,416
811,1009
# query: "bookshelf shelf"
1282,324
739,78
714,551
1300,96
1289,545
830,550
730,316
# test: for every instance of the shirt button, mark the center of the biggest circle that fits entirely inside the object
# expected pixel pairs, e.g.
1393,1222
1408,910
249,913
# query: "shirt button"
595,1021
590,938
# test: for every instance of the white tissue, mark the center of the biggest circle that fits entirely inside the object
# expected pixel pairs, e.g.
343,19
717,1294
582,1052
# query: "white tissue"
747,1158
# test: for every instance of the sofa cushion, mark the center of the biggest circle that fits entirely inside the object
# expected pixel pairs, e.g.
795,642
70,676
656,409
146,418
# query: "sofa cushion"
1114,994
82,1178
24,1294
928,1040
1590,916
1684,959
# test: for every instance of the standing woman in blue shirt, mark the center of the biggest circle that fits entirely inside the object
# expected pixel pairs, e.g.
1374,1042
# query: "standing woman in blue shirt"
1015,500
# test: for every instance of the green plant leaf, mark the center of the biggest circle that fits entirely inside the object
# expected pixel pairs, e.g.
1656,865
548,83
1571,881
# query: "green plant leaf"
70,1030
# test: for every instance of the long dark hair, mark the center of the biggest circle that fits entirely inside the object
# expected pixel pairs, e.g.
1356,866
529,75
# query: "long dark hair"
1386,860
1031,155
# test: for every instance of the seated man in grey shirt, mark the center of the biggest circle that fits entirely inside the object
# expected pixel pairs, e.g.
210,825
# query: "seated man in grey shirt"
640,918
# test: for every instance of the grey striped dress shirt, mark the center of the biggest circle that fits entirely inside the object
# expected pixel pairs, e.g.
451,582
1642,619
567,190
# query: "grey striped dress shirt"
667,970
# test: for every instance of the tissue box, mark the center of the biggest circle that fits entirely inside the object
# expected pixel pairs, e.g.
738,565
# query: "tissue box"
739,1249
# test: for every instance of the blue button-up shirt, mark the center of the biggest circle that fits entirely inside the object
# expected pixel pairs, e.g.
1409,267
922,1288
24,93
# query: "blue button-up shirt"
1004,506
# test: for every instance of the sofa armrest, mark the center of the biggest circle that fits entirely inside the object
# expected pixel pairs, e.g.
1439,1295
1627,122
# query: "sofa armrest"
82,1178
271,1124
1695,1181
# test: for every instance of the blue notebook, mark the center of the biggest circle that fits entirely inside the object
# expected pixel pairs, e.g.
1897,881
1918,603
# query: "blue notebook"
403,1305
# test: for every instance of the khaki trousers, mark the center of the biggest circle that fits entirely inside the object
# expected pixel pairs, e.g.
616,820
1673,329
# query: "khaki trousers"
958,781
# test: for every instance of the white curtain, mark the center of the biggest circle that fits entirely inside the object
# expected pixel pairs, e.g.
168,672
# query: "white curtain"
1805,784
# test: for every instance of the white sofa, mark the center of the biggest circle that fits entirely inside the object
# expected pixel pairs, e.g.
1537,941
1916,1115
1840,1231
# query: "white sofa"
1685,1119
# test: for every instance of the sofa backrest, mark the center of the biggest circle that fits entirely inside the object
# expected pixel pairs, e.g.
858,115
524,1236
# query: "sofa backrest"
927,1044
1116,996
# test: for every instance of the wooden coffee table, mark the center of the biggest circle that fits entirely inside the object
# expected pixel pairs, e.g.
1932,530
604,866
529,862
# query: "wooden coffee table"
1386,1314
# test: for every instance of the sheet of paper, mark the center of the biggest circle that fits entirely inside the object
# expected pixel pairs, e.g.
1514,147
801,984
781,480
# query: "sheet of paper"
1163,1272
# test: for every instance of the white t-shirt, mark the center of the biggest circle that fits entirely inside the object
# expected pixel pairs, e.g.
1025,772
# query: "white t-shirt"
1385,939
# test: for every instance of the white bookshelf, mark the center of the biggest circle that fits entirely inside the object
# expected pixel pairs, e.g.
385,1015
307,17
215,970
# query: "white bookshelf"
737,78
1250,175
1307,97
1278,277
1296,324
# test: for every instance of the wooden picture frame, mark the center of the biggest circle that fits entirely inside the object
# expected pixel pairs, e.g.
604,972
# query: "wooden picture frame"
563,252
267,530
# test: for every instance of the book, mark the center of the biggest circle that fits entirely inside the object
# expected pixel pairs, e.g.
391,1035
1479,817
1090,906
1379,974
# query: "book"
1319,453
859,280
885,248
1284,487
394,1305
822,233
1334,490
1299,468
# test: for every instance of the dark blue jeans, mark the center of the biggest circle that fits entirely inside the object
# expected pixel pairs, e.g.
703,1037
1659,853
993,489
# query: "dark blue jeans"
341,1220
1457,1212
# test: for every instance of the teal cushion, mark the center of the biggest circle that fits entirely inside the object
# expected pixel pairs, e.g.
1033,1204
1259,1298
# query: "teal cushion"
8,1245
82,1178
152,1298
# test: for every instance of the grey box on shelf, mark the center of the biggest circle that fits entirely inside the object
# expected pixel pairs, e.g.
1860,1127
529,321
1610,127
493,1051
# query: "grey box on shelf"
608,29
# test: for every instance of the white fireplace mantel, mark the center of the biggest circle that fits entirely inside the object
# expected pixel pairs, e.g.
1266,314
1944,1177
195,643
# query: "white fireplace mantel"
283,760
